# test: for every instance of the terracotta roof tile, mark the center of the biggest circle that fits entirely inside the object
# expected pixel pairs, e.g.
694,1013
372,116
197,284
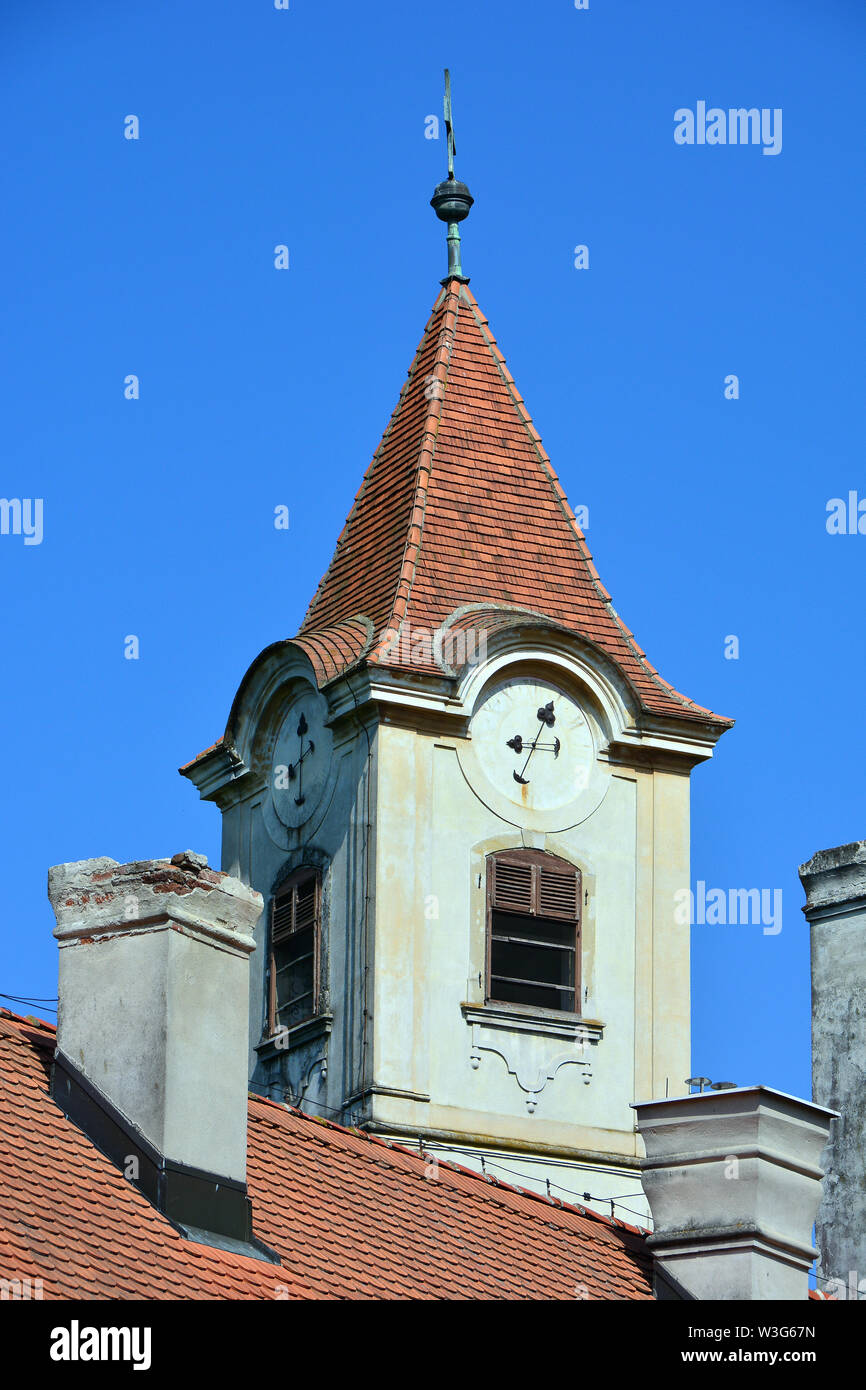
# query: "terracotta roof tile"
350,1218
461,506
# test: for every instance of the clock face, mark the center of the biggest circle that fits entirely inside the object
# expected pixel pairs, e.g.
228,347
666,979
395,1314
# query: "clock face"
302,759
534,744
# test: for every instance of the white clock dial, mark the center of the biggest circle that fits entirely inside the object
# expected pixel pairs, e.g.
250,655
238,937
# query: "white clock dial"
534,744
302,759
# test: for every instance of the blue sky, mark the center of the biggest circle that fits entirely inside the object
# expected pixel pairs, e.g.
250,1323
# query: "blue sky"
259,387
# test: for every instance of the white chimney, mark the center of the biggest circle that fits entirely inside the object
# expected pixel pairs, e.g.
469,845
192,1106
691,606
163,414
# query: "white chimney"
153,1006
733,1183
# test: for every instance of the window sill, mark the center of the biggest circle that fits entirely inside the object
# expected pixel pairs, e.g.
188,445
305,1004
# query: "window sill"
309,1031
548,1023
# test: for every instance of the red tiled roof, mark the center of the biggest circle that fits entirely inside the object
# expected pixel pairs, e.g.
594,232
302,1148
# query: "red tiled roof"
461,505
350,1216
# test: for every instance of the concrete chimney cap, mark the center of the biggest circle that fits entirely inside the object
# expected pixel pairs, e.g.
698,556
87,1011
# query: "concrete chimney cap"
834,877
743,1239
836,858
711,1099
93,896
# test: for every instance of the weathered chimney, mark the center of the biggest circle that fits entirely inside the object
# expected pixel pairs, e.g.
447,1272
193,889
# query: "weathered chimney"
835,885
151,1057
733,1183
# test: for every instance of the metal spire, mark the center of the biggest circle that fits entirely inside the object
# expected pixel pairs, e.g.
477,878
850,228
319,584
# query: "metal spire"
449,125
452,200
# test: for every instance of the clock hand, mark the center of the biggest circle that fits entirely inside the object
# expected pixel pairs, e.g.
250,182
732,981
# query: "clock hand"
520,777
518,745
546,717
298,767
310,748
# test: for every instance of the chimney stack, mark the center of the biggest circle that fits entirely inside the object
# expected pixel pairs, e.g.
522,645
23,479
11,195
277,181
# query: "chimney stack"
733,1183
151,1057
835,884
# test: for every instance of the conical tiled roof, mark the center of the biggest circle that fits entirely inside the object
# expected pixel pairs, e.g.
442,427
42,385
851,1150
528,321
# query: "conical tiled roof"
461,506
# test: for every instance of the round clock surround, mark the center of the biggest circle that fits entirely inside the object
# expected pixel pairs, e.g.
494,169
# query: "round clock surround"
300,764
532,754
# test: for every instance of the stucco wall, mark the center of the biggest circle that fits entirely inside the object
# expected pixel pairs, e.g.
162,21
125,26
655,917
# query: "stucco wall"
434,832
835,883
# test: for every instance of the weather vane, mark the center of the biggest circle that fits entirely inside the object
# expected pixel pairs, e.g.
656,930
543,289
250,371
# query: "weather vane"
452,200
449,125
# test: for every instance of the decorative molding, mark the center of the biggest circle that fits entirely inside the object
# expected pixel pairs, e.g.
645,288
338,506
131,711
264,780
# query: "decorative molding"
280,1044
513,1019
317,1062
535,1025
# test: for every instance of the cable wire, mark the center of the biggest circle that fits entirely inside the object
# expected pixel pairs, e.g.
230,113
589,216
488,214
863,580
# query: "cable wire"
32,1002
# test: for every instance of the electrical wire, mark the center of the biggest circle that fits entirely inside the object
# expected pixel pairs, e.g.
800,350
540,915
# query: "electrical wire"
486,1162
822,1279
21,999
582,1196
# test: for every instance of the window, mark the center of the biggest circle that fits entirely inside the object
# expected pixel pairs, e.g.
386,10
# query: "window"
533,930
294,964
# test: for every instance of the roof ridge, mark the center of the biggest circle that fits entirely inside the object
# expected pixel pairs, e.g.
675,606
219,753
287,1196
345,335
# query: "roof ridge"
565,505
307,626
412,548
535,437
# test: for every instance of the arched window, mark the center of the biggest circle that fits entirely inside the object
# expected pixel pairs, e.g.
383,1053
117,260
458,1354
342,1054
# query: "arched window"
294,955
533,930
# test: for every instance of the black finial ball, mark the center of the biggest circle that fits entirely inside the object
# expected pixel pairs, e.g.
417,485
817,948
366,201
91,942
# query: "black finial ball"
451,201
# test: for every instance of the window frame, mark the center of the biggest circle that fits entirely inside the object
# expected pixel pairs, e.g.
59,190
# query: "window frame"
537,859
291,884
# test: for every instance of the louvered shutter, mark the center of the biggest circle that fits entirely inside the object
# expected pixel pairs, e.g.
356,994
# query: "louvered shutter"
542,886
512,888
533,934
305,905
282,914
294,950
558,891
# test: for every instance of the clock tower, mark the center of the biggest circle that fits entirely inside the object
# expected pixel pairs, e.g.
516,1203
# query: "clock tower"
463,792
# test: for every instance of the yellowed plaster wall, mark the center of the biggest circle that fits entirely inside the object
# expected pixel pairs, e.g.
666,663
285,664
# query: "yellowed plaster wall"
671,938
433,833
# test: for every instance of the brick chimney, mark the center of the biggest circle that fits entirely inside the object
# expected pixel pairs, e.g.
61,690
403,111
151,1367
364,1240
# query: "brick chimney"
151,1057
835,884
733,1183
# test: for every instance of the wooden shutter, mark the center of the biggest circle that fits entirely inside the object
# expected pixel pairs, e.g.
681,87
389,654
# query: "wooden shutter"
512,886
558,891
306,903
294,908
535,883
533,930
282,914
